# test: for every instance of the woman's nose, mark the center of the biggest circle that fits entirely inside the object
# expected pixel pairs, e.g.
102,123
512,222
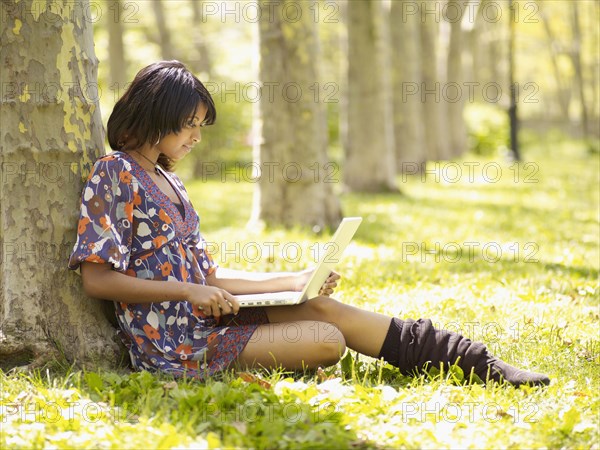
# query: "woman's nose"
197,137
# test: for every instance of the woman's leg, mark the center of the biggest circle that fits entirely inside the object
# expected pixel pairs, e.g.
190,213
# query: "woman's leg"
407,344
363,331
295,344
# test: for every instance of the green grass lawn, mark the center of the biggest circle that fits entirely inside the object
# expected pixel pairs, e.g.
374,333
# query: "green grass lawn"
512,262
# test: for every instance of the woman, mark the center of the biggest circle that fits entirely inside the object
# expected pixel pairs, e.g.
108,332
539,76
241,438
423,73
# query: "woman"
139,245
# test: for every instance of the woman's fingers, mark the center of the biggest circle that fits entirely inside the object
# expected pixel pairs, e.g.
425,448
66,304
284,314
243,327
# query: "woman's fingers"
233,302
327,289
228,304
219,303
330,284
333,276
224,303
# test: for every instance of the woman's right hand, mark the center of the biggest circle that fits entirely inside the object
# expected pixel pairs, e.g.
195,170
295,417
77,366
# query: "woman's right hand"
212,300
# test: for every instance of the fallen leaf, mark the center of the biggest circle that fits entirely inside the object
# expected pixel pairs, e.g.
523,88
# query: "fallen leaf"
170,385
322,376
249,378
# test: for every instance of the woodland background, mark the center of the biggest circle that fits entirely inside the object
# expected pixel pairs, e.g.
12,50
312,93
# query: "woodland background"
396,111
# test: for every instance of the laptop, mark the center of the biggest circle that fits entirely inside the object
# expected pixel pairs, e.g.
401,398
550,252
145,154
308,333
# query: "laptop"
330,256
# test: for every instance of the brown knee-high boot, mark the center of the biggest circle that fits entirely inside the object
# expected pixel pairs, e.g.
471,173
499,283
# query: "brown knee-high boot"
413,346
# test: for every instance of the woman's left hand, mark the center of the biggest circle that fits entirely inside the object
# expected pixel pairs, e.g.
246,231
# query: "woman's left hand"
327,288
330,284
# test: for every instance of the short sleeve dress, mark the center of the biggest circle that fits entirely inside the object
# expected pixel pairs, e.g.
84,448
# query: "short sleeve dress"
128,222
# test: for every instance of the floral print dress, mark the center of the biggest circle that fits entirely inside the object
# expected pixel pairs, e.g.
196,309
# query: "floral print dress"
128,222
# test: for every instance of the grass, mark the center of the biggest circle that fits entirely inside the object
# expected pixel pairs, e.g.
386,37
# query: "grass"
532,296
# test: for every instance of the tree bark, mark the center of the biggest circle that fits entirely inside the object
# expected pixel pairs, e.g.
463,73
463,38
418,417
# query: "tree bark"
295,184
513,114
485,53
369,158
577,66
563,92
164,34
434,112
116,51
406,69
50,134
202,64
455,89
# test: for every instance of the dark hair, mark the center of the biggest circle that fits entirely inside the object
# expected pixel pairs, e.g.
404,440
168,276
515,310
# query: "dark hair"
159,101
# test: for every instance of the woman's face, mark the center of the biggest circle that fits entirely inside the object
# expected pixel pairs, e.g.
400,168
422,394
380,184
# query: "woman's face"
177,145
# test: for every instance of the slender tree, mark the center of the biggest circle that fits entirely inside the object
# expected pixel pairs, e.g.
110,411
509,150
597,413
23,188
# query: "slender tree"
164,33
434,111
50,134
116,50
406,69
455,89
295,185
369,157
576,61
512,110
563,90
203,62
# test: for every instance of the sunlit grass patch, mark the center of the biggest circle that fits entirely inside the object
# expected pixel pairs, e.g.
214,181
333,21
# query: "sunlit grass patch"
417,254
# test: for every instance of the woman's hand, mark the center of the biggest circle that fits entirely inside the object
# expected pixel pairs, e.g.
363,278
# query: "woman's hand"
328,287
212,300
330,284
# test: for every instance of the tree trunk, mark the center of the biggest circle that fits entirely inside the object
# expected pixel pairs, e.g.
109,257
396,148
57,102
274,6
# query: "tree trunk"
434,114
513,114
455,91
485,53
164,34
494,50
563,92
50,135
406,69
475,45
576,60
295,185
116,52
370,160
202,63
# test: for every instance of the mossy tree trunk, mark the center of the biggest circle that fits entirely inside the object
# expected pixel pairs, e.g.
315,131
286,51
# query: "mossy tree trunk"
50,135
295,179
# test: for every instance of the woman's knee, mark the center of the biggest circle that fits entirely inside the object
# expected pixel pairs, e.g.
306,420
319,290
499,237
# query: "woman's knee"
331,343
326,309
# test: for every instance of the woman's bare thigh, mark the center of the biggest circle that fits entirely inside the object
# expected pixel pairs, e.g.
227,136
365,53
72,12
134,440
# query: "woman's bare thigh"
293,345
363,331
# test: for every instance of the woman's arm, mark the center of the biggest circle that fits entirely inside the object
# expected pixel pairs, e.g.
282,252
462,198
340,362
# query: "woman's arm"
240,282
100,281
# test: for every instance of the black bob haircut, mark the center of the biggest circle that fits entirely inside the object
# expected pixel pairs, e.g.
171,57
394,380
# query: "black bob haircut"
159,101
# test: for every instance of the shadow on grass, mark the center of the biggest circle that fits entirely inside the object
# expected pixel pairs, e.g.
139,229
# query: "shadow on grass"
240,409
477,267
583,272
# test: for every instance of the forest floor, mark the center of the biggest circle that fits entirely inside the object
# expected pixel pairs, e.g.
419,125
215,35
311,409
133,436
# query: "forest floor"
505,254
